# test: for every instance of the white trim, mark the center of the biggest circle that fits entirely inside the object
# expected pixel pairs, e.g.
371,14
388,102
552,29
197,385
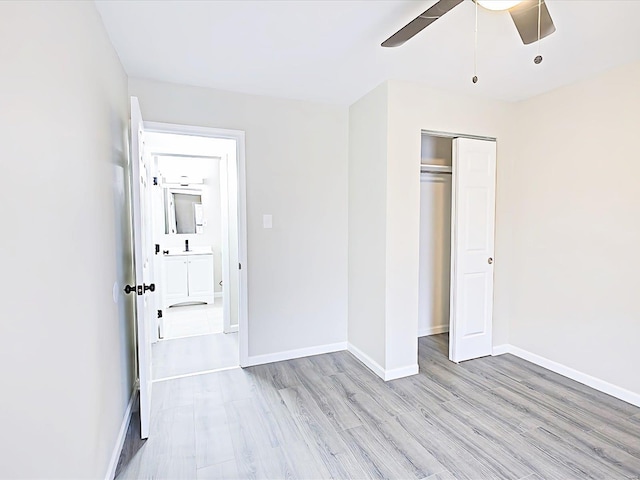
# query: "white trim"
232,329
500,349
425,332
226,244
122,435
586,379
401,372
166,339
376,368
239,137
371,364
217,294
243,299
204,372
298,353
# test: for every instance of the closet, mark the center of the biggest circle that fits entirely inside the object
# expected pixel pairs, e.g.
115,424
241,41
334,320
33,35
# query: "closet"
435,234
457,218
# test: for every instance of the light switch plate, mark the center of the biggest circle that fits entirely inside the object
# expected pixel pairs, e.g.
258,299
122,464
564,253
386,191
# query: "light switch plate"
267,221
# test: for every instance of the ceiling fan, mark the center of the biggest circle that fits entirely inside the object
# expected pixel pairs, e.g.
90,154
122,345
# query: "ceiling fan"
531,18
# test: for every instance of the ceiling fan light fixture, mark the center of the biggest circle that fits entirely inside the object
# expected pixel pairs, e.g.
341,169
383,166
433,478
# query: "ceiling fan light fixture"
498,4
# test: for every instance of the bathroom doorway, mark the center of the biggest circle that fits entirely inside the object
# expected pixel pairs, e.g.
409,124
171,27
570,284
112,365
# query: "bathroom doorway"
194,214
183,141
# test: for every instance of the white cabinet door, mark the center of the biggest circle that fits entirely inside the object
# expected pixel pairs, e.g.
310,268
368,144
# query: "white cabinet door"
200,275
176,288
473,213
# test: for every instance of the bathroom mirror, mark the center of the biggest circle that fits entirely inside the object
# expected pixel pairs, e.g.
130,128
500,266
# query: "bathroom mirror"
183,212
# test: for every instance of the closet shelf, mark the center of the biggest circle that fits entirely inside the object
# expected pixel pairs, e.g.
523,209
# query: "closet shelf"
425,168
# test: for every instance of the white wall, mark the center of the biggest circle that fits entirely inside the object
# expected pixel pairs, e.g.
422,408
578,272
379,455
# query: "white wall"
296,162
367,224
576,204
412,108
66,349
385,154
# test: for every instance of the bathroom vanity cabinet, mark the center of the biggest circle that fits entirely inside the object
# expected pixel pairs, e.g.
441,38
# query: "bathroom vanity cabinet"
188,277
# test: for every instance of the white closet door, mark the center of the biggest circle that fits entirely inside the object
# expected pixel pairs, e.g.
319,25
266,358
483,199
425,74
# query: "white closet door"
472,238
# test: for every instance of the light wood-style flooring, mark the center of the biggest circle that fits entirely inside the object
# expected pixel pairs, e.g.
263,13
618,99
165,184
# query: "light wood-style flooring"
328,416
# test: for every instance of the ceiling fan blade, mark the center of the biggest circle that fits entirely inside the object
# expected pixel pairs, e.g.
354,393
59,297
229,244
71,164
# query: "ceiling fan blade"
421,22
525,17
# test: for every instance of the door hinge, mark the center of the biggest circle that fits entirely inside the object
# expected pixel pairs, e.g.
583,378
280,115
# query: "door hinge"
155,180
159,313
157,248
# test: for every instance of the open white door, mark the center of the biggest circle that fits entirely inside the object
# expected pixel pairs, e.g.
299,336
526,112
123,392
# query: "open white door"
472,237
143,263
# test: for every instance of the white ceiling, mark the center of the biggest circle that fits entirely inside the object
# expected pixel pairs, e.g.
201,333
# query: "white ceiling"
330,51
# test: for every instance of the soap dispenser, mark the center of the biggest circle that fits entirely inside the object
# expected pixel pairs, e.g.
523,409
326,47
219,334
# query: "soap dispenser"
186,245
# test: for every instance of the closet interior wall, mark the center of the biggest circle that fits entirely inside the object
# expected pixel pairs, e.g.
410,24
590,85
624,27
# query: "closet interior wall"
435,237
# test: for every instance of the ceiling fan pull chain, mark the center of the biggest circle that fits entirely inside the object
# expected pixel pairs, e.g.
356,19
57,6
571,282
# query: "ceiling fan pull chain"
538,58
475,50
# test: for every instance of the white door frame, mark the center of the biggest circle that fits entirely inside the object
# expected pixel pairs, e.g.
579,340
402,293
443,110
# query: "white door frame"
226,253
454,178
239,137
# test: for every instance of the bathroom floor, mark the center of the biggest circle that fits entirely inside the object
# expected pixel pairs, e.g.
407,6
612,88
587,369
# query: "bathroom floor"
196,354
189,320
194,342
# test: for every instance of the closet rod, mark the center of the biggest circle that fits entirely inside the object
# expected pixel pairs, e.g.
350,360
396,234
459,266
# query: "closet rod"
435,169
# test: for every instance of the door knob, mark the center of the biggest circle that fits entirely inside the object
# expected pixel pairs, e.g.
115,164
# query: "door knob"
129,289
490,261
151,288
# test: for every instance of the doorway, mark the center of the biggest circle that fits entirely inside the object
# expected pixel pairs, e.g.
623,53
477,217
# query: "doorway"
188,276
194,233
457,217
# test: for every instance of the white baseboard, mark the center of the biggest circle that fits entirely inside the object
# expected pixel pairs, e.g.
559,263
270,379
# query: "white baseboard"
371,364
122,435
376,368
291,354
400,372
586,379
500,349
424,332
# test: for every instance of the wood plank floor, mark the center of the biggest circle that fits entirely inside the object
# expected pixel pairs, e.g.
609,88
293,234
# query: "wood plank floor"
328,416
